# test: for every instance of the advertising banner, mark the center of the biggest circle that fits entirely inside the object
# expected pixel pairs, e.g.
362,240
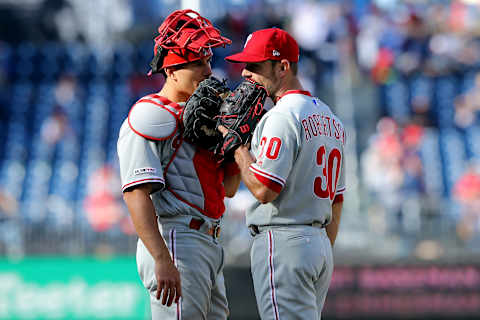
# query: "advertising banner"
404,292
62,288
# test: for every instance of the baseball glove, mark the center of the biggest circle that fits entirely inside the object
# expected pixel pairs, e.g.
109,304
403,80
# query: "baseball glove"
200,111
240,113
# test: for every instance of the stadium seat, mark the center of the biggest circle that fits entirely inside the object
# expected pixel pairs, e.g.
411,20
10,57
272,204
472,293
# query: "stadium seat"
432,166
452,149
396,100
445,93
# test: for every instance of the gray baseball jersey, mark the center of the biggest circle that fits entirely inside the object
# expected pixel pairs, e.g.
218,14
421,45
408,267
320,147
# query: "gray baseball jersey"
189,184
298,146
299,150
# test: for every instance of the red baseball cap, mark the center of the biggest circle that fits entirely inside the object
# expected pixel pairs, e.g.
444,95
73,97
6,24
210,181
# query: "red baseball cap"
267,44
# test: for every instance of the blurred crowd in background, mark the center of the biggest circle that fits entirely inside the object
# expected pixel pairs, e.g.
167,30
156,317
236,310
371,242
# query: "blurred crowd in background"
404,76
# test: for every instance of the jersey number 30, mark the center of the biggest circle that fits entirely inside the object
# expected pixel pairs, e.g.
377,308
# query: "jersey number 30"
273,148
324,186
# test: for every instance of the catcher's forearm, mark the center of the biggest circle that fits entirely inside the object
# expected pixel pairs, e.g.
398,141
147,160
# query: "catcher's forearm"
244,159
333,226
144,219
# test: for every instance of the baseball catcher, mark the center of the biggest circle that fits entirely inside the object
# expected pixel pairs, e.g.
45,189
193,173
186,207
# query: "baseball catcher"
174,188
239,114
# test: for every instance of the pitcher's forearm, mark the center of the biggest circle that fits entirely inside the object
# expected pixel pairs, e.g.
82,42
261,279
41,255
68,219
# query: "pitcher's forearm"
332,228
261,192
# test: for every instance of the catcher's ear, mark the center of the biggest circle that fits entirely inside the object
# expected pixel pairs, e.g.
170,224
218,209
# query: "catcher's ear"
170,73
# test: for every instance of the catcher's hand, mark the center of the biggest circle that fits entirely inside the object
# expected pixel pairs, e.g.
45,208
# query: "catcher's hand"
199,114
240,113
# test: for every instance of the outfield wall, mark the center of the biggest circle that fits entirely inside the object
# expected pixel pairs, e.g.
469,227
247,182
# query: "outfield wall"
89,288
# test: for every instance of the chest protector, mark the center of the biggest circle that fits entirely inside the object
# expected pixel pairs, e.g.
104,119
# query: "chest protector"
192,174
194,177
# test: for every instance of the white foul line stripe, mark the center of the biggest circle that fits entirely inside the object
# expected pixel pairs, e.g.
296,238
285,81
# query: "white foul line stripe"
272,275
267,175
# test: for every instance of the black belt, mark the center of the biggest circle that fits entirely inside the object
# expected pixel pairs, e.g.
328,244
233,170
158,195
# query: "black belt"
255,229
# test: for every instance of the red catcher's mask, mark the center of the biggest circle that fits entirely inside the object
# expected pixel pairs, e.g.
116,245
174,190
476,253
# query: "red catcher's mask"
184,36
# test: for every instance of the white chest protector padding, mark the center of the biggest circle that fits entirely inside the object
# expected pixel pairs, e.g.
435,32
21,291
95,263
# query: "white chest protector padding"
152,121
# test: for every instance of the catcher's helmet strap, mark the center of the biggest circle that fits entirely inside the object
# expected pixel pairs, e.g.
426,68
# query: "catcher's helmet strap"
156,64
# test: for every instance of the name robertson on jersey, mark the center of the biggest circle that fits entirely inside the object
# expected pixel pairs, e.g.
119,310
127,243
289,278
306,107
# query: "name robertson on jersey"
322,125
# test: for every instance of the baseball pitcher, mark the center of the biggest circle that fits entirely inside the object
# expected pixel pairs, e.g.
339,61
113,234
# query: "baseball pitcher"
173,185
296,172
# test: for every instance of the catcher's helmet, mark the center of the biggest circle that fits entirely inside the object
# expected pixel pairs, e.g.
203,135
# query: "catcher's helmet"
184,36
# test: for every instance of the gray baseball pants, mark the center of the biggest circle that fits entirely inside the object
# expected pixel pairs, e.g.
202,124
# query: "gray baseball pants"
291,267
200,259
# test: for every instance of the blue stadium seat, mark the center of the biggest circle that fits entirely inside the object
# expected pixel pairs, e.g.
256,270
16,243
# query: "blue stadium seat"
445,93
452,149
12,175
396,100
468,81
472,137
25,55
64,177
20,98
123,60
421,86
76,57
432,166
35,195
6,54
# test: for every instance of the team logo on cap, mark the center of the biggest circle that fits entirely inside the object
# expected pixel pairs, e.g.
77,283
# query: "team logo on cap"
248,39
276,53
